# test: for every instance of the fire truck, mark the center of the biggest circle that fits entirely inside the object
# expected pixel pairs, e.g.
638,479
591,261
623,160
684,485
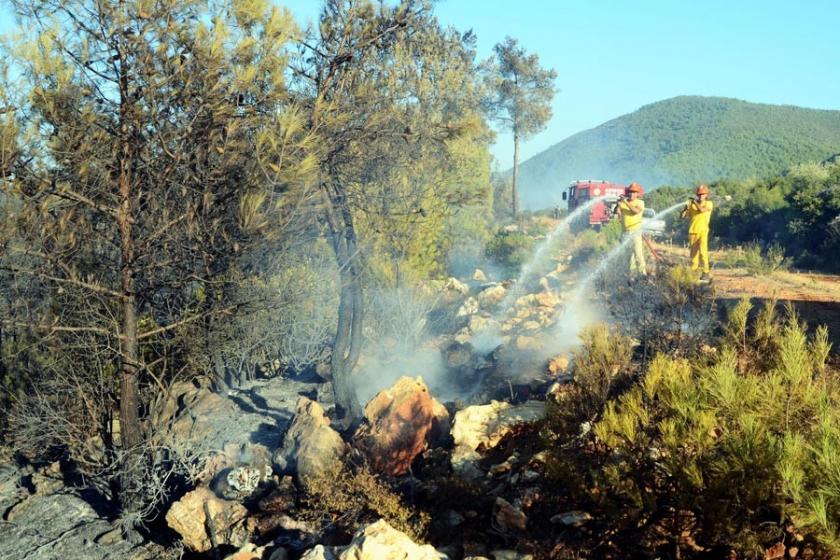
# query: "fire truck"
581,192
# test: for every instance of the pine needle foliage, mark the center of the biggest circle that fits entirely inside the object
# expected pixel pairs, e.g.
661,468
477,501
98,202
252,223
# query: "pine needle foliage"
734,447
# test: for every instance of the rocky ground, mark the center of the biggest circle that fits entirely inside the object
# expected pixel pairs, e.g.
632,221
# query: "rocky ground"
260,449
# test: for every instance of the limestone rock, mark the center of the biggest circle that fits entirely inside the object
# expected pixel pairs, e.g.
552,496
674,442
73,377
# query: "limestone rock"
457,354
246,423
478,323
547,299
571,518
526,301
453,285
469,307
398,425
45,527
492,296
479,275
48,480
311,448
526,343
483,426
248,552
378,541
531,326
189,518
559,364
508,517
11,490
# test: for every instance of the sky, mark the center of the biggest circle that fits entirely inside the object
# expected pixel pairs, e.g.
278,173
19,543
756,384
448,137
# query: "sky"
614,56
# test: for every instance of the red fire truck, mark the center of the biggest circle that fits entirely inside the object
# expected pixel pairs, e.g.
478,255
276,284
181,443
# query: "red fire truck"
581,192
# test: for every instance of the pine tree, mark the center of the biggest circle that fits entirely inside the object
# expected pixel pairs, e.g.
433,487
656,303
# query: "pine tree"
523,92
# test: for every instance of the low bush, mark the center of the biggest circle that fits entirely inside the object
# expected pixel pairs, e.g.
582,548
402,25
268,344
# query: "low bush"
668,312
356,497
510,249
721,452
755,259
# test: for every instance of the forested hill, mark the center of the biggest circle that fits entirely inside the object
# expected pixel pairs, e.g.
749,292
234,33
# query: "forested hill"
681,140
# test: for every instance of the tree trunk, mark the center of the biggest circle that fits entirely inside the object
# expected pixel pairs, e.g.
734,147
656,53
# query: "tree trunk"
129,394
514,192
130,433
348,335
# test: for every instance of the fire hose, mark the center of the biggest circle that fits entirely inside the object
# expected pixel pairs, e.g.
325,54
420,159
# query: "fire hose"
649,244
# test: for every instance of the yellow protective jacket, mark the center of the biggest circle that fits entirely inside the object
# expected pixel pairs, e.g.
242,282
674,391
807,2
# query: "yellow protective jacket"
699,215
631,213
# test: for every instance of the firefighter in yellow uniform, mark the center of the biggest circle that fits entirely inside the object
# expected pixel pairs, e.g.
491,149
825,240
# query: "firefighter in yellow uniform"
698,211
630,209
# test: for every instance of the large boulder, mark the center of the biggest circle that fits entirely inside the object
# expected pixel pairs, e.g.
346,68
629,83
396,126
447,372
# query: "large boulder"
483,426
455,286
399,423
492,296
378,541
547,299
311,449
245,424
202,520
11,489
45,527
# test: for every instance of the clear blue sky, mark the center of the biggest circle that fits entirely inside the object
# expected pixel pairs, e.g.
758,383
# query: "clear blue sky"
612,57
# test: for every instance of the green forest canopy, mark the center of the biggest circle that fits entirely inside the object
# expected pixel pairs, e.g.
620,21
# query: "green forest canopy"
681,141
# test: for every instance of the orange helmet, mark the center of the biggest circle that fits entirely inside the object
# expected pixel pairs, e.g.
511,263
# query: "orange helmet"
702,189
634,187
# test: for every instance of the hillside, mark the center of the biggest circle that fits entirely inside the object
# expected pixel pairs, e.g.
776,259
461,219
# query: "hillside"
682,140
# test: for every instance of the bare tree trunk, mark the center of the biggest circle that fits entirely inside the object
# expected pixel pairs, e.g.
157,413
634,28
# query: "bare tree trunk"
348,335
129,393
514,192
130,433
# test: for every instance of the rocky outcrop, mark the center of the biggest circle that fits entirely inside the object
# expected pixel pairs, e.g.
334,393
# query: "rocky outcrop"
399,423
311,448
244,423
483,426
46,527
11,491
492,296
205,521
378,541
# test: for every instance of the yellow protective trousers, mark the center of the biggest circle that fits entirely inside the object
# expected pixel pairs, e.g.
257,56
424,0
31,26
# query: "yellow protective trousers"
698,246
637,253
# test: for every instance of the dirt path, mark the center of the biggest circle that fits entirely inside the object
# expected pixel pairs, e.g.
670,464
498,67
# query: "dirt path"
815,296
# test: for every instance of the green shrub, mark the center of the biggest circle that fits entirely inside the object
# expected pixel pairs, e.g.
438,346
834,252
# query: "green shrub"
729,453
355,496
510,249
756,260
612,233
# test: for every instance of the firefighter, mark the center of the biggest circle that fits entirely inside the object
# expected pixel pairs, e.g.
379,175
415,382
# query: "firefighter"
698,211
630,207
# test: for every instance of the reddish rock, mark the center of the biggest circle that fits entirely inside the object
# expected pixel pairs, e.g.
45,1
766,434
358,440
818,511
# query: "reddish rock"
775,551
399,423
